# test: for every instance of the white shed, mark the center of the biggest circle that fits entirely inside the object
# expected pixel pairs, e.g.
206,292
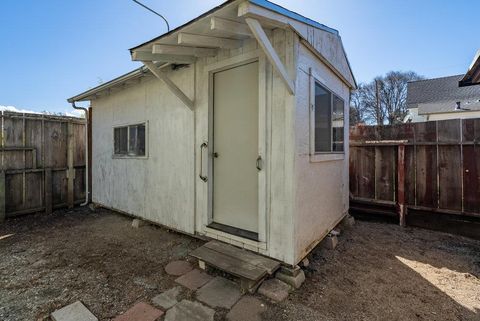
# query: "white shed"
235,129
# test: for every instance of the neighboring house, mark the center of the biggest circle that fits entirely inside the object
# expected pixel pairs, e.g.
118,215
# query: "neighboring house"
236,129
445,98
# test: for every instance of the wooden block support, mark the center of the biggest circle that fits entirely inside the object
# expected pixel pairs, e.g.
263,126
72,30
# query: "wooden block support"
70,170
2,197
48,191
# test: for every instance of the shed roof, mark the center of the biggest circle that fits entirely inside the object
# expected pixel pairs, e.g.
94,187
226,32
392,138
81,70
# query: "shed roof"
472,77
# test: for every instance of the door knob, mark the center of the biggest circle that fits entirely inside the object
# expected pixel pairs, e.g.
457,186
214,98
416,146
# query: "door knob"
259,163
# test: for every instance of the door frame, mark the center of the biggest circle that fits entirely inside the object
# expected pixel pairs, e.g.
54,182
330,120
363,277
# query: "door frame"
226,64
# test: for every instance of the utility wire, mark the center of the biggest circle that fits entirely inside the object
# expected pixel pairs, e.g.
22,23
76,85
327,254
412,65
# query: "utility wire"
153,11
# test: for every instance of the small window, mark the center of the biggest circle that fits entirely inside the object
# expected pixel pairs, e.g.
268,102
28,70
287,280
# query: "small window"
130,140
328,121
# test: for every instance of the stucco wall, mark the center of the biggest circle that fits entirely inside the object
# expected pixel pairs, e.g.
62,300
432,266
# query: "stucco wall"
321,188
159,188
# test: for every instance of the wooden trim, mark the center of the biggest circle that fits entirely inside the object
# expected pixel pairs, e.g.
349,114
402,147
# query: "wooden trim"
171,58
229,26
173,88
183,50
208,41
270,53
233,61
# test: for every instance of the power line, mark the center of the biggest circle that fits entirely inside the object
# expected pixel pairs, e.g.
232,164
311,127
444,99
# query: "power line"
153,11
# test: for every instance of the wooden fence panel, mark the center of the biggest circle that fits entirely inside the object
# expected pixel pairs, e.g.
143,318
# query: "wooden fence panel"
442,170
33,154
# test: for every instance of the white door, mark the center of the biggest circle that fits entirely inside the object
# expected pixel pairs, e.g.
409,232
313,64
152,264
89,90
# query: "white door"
235,147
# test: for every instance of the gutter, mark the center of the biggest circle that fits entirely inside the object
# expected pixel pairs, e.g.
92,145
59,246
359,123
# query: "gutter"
86,152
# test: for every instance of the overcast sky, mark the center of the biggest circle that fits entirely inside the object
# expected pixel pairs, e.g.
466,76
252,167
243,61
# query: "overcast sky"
54,49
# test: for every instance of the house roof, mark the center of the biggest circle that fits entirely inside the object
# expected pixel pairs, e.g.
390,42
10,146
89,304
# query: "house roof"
472,77
440,95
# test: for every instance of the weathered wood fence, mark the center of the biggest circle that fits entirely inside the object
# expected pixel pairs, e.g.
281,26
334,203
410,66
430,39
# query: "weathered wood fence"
421,174
42,163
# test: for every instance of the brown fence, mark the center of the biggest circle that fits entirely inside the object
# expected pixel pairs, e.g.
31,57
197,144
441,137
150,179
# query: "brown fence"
42,163
423,174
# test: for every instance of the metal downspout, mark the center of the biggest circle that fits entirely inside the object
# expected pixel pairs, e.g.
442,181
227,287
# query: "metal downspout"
86,151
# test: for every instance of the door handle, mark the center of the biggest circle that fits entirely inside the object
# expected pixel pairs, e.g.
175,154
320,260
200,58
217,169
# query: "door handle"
259,163
202,147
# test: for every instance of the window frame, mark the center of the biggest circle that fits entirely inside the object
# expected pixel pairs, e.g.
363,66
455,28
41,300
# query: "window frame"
328,155
127,155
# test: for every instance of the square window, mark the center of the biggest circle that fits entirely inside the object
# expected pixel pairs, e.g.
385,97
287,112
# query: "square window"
130,140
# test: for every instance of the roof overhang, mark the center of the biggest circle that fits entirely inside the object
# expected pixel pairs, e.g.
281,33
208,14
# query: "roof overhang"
472,77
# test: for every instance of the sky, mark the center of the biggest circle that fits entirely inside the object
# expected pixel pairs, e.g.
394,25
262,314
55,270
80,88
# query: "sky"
54,49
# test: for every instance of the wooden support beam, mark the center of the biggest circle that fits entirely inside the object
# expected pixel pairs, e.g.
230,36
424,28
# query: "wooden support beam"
148,56
173,88
183,51
229,26
270,52
3,214
208,41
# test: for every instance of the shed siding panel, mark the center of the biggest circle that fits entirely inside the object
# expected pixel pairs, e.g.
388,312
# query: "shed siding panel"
158,188
321,188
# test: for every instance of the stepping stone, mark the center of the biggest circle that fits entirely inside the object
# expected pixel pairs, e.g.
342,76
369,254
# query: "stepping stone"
220,293
178,268
274,289
167,299
194,279
140,312
190,311
247,309
73,312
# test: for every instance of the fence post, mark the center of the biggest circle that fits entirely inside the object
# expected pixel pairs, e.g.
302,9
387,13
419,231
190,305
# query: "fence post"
48,191
70,163
401,209
2,197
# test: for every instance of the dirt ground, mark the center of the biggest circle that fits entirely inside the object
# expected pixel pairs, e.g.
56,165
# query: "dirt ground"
378,271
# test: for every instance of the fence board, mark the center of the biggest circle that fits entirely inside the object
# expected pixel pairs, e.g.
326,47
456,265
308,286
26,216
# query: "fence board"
471,179
450,179
426,176
385,173
410,168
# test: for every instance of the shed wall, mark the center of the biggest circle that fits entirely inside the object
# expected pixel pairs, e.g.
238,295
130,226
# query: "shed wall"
321,187
160,187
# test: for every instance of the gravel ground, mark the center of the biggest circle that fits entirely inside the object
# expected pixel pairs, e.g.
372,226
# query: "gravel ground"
378,271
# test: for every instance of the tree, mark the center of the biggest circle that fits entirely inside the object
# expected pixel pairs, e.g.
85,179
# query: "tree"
383,100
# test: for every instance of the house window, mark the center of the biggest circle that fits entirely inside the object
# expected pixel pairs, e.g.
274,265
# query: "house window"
129,141
328,121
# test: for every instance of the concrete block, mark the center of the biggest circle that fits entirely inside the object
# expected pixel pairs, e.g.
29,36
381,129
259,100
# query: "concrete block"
294,281
137,223
275,290
330,242
291,271
219,292
167,299
73,312
305,262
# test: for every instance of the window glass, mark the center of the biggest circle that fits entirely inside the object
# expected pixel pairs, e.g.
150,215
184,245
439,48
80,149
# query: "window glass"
323,131
338,124
130,140
120,140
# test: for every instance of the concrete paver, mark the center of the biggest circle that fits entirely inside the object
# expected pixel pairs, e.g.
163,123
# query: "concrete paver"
247,309
274,289
190,311
219,292
140,312
194,279
167,299
177,268
73,312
